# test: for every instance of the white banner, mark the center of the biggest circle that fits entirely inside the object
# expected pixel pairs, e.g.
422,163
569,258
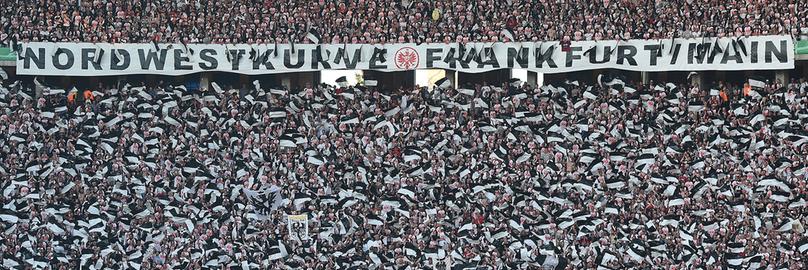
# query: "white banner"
298,226
88,59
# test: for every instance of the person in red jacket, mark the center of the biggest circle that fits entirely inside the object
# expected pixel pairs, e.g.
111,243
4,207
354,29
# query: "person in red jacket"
477,218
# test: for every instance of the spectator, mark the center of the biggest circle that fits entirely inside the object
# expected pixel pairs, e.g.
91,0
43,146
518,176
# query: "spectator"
88,95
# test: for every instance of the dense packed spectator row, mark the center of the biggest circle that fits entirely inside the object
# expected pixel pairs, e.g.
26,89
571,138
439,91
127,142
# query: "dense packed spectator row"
571,176
393,21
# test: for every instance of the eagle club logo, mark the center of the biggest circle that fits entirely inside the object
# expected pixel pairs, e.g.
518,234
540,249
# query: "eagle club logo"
406,58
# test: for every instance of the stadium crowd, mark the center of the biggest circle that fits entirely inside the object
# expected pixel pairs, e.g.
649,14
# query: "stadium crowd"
393,21
612,175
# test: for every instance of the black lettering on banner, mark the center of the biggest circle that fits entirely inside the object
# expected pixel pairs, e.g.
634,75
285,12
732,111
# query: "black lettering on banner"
87,55
781,54
316,60
606,56
179,58
38,58
676,50
736,56
236,56
432,55
572,56
287,58
342,56
70,59
626,53
520,57
471,55
120,64
263,59
694,54
146,59
210,62
652,49
692,51
492,59
452,60
713,54
374,59
546,56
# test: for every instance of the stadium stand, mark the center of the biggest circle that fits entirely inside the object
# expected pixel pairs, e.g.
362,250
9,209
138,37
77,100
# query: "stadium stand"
679,143
571,176
389,21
